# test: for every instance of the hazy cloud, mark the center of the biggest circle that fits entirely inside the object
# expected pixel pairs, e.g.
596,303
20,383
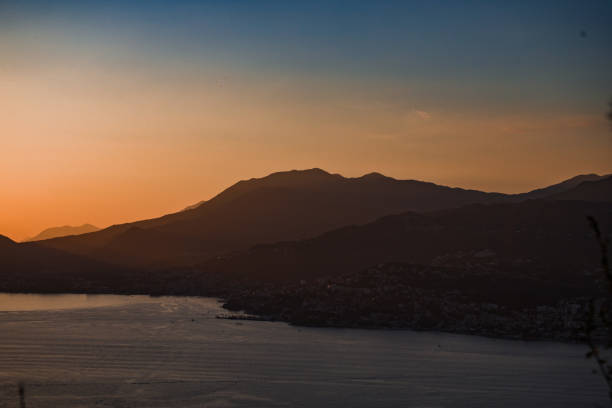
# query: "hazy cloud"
422,114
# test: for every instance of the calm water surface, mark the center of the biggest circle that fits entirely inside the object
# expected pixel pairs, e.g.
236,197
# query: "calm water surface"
138,351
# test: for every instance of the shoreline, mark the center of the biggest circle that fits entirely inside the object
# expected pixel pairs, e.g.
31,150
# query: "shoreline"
250,316
389,296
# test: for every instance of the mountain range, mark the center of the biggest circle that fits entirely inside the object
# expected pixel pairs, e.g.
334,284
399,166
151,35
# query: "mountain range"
310,223
283,206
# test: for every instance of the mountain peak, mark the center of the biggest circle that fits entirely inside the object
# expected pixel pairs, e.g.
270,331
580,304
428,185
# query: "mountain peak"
316,172
375,176
297,177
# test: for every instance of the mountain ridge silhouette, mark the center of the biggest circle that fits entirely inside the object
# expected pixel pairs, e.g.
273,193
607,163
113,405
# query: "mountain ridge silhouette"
282,206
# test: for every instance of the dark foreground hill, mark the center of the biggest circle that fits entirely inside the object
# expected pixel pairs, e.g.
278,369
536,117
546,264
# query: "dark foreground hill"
518,270
544,238
283,206
512,270
539,239
28,267
399,295
523,270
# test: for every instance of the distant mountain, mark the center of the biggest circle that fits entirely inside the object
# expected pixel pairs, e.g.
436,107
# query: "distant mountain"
282,206
542,238
560,187
66,230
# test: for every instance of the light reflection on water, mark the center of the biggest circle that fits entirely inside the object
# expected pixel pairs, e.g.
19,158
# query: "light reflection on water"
13,302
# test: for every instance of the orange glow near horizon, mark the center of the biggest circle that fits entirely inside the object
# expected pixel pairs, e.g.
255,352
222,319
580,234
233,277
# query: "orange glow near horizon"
108,131
86,149
104,169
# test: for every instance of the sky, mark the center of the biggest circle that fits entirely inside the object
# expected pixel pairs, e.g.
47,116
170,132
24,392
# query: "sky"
114,111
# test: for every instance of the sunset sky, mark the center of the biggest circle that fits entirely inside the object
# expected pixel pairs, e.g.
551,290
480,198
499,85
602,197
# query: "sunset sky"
112,112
